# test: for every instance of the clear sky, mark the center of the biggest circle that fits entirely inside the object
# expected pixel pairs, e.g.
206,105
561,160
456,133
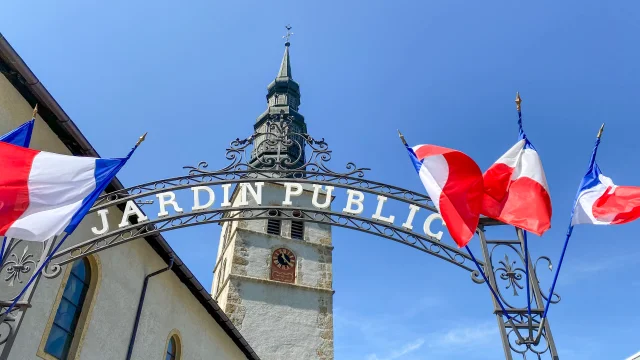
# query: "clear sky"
194,74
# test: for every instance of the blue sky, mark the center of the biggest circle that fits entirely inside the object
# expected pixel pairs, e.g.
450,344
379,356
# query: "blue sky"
194,75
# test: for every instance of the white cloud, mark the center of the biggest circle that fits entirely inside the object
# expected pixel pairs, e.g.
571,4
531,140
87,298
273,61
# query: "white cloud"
462,339
469,336
404,350
586,269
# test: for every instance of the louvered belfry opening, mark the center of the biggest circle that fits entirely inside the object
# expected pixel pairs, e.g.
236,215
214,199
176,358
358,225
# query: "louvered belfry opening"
297,226
274,225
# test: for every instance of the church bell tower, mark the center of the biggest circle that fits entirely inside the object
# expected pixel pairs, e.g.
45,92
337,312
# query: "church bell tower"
273,277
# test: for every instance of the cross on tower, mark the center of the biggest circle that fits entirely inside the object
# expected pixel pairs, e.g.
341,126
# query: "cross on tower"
289,33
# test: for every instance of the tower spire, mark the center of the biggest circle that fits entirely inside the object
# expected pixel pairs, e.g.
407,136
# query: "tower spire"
285,66
283,101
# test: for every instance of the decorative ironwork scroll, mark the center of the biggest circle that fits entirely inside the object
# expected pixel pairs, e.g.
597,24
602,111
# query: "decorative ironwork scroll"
279,152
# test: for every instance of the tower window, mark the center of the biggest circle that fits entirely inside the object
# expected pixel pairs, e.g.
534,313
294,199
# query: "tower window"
67,316
274,226
227,234
297,226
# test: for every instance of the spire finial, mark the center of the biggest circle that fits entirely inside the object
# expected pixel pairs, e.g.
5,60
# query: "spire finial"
288,35
518,100
35,111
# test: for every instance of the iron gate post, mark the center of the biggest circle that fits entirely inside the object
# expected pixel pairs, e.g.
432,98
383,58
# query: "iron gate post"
492,282
525,342
17,315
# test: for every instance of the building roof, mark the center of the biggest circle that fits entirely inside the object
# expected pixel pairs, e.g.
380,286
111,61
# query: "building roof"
634,356
19,74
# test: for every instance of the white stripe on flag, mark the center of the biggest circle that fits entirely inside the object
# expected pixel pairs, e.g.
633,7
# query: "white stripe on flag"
434,174
54,200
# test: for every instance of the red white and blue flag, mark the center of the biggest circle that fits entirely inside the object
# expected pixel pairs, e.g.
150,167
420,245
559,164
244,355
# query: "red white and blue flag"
44,194
599,201
516,190
20,136
454,183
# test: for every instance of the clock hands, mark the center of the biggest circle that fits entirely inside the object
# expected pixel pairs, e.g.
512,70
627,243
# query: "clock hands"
284,257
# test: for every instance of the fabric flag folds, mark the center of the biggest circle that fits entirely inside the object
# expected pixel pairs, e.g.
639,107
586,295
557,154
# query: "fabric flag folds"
454,183
44,194
516,190
20,136
599,201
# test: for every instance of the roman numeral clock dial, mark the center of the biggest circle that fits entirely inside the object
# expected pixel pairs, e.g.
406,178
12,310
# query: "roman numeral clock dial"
283,265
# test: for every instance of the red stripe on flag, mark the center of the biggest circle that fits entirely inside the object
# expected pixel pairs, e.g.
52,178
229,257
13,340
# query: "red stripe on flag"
497,180
523,203
623,205
15,166
461,199
423,151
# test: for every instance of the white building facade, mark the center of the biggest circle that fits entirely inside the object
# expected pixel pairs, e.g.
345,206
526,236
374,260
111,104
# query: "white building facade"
90,310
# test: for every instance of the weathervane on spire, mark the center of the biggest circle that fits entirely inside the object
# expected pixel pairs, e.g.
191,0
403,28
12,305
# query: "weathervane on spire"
288,35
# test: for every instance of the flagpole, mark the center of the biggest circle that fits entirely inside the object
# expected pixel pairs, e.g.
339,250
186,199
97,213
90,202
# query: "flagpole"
495,296
566,240
486,280
524,232
4,238
4,243
46,261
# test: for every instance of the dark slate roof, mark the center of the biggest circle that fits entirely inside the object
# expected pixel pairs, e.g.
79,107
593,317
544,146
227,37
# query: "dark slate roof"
19,74
285,67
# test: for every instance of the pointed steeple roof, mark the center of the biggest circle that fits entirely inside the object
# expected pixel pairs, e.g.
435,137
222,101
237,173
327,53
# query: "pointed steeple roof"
283,101
285,67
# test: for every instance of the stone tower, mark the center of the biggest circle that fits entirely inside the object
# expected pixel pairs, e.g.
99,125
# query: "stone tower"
273,277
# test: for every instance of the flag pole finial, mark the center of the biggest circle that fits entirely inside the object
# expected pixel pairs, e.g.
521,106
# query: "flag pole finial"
35,111
402,138
600,131
518,100
141,139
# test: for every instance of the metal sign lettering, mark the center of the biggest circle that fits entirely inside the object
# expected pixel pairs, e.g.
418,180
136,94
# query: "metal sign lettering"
294,160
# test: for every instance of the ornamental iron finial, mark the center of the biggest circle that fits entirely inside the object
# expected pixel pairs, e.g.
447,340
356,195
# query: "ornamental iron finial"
518,100
288,34
600,131
141,139
402,138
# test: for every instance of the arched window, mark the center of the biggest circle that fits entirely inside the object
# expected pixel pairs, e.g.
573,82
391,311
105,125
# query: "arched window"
171,349
174,346
70,307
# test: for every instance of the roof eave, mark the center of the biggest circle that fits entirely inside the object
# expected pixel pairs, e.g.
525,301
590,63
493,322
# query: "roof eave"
23,79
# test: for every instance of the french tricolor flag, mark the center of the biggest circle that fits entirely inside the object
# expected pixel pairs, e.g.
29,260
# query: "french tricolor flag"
599,201
454,184
20,136
516,190
44,194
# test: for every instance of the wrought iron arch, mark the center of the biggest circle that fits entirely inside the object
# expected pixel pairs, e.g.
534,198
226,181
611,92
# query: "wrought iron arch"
392,232
287,161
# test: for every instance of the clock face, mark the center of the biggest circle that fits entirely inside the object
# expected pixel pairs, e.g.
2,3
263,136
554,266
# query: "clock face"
284,259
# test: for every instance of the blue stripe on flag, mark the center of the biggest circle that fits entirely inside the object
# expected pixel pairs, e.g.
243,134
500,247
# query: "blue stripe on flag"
417,164
20,136
105,171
